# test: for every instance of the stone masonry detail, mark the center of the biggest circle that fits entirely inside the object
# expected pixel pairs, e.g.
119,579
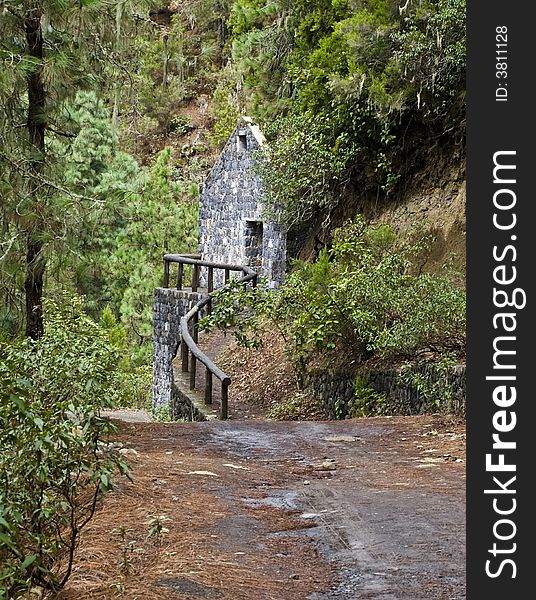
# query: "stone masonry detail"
232,227
169,306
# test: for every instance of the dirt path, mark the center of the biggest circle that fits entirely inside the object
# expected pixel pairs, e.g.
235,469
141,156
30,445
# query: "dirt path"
367,508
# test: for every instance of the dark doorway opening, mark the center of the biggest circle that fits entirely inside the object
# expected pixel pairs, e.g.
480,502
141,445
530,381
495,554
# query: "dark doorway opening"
242,142
253,239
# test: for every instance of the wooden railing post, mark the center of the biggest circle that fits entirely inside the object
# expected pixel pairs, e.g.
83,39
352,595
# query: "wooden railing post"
180,276
184,356
224,407
193,360
227,275
165,284
195,278
209,306
208,386
193,367
195,327
210,279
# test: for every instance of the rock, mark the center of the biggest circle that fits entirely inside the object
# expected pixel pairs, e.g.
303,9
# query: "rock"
327,465
128,452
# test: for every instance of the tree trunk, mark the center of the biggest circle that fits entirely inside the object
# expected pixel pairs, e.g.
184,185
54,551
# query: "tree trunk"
117,92
36,124
166,61
222,37
33,286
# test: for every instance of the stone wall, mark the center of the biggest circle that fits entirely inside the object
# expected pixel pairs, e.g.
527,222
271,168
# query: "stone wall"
336,392
169,306
231,225
182,406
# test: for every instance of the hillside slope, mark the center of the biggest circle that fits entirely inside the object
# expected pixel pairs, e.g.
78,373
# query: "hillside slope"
430,200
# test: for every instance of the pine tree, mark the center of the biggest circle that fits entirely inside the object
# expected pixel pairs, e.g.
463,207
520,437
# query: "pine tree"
49,49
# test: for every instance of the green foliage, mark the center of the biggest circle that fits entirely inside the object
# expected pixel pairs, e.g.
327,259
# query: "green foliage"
341,85
360,300
92,156
132,383
161,74
430,51
50,50
368,297
53,463
104,176
262,41
127,547
157,530
137,215
171,64
237,308
113,223
225,107
303,170
162,414
432,381
367,402
159,217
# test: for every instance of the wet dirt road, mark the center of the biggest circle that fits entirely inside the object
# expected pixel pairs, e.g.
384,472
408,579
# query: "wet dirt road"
359,509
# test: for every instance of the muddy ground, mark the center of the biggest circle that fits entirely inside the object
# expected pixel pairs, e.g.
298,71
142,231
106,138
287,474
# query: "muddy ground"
259,510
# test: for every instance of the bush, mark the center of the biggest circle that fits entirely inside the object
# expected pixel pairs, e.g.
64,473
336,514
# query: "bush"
367,402
362,299
365,296
131,383
225,109
432,381
133,388
309,161
53,463
300,406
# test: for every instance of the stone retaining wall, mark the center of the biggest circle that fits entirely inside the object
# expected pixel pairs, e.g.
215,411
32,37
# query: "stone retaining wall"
169,306
182,406
336,392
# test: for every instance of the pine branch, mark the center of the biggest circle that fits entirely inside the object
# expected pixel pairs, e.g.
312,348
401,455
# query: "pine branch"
62,133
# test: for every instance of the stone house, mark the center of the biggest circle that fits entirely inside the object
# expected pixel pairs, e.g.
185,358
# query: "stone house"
232,227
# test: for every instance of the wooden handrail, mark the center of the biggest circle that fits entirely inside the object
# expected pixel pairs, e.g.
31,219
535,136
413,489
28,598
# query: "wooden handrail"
199,354
189,259
196,262
191,318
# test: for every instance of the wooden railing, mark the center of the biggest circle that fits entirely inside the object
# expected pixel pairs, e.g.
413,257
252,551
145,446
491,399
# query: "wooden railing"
189,323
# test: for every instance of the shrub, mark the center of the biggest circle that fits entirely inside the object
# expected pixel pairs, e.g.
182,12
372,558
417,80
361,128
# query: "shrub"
225,108
367,402
432,381
365,295
360,300
53,463
300,406
303,170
